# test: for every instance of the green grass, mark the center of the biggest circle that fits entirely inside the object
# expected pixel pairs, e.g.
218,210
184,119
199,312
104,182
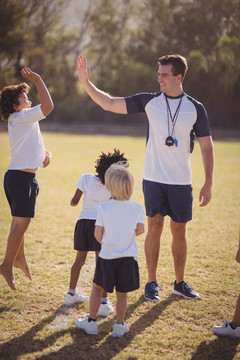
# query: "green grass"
33,322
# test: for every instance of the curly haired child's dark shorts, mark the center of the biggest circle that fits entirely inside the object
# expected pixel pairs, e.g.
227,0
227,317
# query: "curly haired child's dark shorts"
122,273
21,189
84,239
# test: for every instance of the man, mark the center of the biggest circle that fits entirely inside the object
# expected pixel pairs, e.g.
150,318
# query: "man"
174,118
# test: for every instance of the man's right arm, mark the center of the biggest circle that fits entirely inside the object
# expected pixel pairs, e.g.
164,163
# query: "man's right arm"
107,102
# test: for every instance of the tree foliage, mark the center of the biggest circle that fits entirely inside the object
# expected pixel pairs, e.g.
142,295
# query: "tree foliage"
123,41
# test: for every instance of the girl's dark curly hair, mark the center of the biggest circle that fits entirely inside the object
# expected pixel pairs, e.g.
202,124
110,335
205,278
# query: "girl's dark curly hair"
105,160
9,97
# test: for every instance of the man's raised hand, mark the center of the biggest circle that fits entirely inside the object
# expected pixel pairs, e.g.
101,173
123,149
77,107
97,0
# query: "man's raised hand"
83,69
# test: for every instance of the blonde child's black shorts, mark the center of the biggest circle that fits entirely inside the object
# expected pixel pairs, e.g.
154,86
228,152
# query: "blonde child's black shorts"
84,239
172,200
21,189
121,273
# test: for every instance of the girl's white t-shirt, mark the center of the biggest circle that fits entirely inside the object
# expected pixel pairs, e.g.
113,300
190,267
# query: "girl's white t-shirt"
26,142
94,194
119,220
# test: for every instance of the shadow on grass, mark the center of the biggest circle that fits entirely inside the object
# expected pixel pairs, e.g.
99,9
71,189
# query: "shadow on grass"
3,309
83,346
222,348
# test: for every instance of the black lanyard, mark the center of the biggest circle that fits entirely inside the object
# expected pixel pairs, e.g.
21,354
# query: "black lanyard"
174,117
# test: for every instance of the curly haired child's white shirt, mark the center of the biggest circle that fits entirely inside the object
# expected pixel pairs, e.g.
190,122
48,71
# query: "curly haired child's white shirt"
119,220
26,142
94,194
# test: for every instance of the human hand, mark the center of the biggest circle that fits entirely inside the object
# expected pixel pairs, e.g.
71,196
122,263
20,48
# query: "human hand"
47,159
83,70
238,255
238,252
29,74
205,195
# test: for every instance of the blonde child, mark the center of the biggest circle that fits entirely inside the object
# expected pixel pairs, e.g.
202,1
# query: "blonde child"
119,221
27,155
94,190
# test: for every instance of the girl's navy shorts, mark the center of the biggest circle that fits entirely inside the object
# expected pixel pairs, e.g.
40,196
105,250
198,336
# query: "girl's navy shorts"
84,239
21,189
172,200
121,273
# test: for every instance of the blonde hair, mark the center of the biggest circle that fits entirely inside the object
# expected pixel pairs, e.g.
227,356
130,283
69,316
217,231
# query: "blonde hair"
119,181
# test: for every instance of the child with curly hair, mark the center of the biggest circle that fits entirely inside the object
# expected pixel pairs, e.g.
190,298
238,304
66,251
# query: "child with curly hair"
94,190
27,155
119,221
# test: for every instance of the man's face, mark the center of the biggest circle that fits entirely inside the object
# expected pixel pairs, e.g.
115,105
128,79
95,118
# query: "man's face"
24,102
169,84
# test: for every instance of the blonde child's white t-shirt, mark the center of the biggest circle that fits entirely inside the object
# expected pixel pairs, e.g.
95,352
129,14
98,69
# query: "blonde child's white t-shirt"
119,220
94,194
26,142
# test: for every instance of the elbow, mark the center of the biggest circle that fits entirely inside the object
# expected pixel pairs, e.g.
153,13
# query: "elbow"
107,105
47,109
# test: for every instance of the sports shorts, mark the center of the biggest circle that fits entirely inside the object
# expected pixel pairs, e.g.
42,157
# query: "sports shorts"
84,239
172,200
21,189
121,273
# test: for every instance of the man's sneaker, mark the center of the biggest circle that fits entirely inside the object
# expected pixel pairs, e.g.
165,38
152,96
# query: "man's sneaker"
106,308
185,290
119,329
71,299
227,330
151,291
90,327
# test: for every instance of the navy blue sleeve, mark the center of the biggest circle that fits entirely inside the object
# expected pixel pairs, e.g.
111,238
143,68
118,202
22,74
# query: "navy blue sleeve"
201,127
136,103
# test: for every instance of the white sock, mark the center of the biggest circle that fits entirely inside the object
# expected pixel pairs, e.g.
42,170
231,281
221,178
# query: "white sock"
72,291
104,300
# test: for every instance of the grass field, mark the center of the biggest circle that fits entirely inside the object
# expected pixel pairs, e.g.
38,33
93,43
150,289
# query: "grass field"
33,322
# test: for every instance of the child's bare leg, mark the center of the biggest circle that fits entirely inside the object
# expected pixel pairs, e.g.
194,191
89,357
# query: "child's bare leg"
95,301
18,228
121,306
76,267
236,317
104,293
21,262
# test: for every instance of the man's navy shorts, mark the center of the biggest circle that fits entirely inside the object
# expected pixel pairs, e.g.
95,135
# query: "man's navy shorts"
172,200
84,239
21,189
121,273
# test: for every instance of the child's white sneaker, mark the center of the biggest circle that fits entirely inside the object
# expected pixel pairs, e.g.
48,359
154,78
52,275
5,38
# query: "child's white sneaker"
227,330
71,299
90,327
119,329
106,308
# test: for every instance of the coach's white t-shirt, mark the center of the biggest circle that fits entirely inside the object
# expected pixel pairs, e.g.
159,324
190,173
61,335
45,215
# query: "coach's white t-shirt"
26,142
94,194
119,219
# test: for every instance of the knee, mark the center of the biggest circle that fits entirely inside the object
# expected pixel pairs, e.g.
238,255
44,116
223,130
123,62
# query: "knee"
155,230
78,263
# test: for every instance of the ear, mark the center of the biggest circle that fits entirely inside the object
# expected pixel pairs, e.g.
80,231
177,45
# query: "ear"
179,77
15,107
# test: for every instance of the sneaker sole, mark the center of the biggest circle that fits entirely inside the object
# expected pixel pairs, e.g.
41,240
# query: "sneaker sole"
118,336
175,292
86,331
146,298
104,314
74,302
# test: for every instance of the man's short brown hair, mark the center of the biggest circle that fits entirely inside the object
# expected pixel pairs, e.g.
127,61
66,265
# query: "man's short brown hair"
178,62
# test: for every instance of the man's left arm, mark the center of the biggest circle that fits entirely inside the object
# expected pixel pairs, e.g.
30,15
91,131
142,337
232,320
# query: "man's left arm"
206,146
